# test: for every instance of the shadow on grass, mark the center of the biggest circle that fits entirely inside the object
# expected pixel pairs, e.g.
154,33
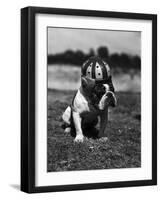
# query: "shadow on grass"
89,132
15,186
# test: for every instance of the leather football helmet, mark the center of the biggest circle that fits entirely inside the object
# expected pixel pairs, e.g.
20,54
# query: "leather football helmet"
97,69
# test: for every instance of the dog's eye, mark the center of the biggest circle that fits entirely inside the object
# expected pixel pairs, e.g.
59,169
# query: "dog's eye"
103,87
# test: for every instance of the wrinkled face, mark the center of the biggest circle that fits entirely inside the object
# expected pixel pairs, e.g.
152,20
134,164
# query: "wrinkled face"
103,95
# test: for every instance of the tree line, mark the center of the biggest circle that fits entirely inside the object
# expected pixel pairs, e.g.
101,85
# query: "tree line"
123,60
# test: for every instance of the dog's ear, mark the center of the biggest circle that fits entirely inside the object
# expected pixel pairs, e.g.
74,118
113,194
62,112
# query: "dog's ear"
87,83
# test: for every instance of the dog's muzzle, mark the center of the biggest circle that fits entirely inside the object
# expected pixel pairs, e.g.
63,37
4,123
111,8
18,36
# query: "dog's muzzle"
107,100
111,99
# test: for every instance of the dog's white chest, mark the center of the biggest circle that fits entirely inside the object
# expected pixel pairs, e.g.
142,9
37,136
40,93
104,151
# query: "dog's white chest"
80,103
86,110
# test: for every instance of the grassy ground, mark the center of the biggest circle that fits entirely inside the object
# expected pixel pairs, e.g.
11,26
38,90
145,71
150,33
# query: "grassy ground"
122,150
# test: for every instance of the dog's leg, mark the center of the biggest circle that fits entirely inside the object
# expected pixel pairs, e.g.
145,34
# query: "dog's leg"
67,115
67,120
103,123
77,123
67,130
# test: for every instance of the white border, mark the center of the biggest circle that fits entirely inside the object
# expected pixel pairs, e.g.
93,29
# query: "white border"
93,176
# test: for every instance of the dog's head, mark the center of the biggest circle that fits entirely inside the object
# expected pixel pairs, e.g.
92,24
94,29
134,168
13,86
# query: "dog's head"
97,82
102,95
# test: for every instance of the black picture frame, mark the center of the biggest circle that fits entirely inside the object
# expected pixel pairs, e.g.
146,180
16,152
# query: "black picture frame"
28,98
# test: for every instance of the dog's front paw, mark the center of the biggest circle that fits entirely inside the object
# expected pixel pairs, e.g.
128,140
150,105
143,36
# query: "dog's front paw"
67,130
79,138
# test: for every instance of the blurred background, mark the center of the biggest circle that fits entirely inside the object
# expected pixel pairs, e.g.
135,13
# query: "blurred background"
68,48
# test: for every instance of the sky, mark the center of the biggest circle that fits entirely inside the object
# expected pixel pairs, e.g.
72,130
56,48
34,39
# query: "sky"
62,39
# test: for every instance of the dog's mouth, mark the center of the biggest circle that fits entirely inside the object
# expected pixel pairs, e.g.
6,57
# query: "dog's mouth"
108,100
111,99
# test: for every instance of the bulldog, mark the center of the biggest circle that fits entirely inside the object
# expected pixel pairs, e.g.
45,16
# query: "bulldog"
92,100
90,103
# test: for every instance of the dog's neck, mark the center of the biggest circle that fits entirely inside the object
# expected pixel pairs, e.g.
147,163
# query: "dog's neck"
86,94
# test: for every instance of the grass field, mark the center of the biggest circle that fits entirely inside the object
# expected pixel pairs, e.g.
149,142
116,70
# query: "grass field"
121,150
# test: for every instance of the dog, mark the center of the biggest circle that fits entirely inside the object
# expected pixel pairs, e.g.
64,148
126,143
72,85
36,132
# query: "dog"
90,103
